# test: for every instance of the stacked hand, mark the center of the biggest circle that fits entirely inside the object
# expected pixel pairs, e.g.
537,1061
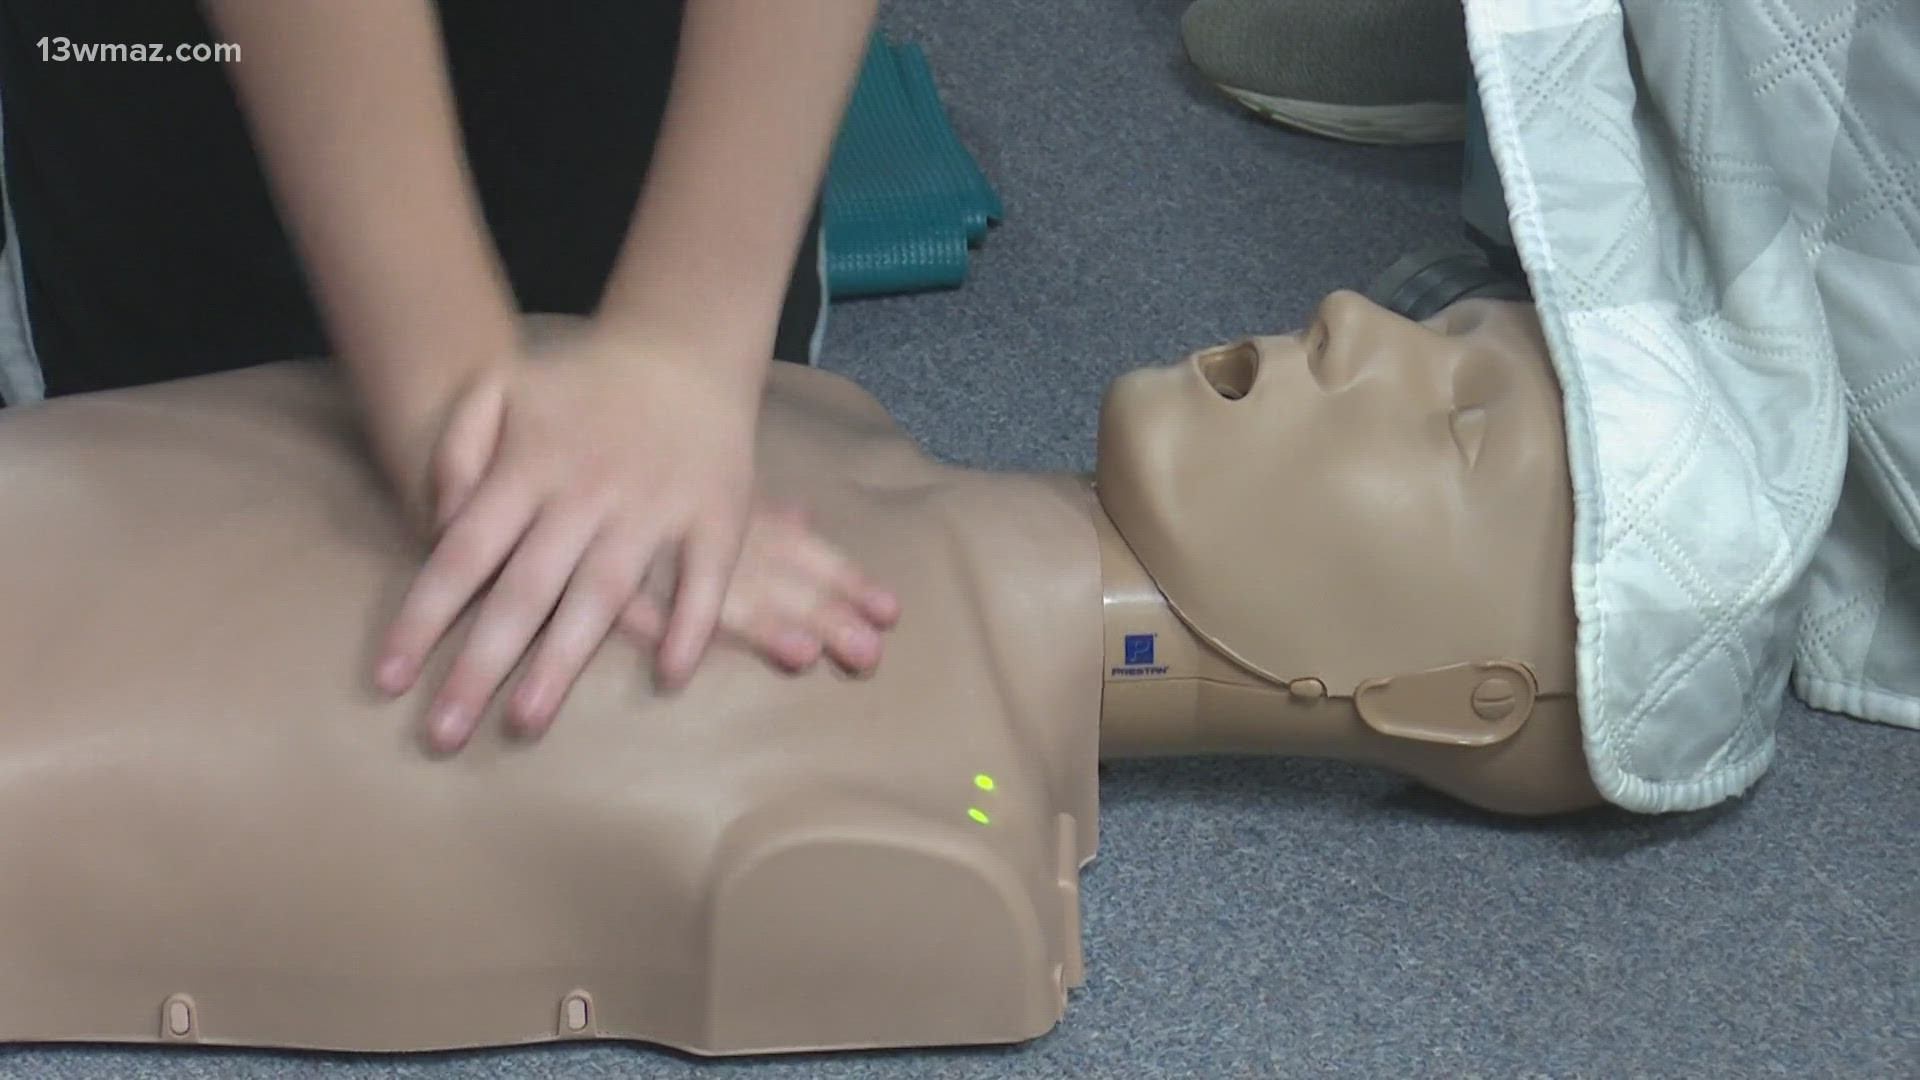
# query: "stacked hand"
606,483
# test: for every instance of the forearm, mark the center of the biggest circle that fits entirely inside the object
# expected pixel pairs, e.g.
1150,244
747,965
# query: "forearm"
758,94
352,113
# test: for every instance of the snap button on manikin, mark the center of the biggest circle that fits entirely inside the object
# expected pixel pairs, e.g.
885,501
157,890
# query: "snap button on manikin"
1307,689
576,1013
176,1018
1494,698
1479,703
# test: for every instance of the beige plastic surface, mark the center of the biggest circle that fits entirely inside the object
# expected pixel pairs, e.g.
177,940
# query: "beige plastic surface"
1352,543
218,835
222,836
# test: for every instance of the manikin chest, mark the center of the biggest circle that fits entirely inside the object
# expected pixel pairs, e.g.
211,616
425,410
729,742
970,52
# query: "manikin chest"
234,840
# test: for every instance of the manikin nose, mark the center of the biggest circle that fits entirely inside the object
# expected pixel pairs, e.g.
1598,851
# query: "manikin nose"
1230,369
1359,327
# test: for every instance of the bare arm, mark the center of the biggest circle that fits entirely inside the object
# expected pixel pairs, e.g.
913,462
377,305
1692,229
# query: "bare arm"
758,94
639,447
352,111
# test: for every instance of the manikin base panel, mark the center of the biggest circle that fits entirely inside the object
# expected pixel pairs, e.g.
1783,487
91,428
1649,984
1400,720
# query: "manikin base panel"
221,835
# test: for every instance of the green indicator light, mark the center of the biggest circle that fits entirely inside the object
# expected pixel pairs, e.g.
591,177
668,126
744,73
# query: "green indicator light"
983,782
977,814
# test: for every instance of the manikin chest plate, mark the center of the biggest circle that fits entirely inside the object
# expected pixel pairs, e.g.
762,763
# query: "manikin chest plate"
222,836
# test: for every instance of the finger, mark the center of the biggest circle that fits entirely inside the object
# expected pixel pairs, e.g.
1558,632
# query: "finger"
479,540
880,607
466,449
789,643
823,562
513,612
790,518
849,639
600,590
707,562
794,648
775,626
642,622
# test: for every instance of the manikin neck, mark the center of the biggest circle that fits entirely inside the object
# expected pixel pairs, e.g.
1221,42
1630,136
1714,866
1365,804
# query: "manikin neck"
1166,690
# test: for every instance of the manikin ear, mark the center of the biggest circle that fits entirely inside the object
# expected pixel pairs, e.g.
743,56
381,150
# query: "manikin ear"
1469,425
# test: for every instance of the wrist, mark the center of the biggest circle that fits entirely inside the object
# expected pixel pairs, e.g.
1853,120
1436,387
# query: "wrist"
730,353
723,306
402,377
407,390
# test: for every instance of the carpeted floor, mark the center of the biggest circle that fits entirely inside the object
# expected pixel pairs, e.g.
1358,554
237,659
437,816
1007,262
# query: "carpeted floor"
1254,919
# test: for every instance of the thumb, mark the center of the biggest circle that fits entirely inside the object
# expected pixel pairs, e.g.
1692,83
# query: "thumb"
466,449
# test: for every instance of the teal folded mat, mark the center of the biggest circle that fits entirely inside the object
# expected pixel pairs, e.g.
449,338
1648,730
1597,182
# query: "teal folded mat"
904,199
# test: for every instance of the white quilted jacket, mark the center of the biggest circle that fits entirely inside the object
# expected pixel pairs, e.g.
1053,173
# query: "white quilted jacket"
1718,205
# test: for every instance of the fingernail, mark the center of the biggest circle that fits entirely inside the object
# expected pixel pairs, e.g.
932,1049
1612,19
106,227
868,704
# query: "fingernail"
678,667
391,676
448,724
882,605
530,703
856,648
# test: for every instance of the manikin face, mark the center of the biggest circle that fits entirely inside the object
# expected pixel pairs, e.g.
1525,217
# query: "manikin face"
1369,498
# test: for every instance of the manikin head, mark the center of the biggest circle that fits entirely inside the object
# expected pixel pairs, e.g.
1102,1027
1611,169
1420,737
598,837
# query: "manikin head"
1370,498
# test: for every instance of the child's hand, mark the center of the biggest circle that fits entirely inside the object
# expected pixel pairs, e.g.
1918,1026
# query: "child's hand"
562,483
794,598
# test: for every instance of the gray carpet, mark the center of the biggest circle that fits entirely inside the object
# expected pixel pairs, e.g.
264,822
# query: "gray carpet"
1292,919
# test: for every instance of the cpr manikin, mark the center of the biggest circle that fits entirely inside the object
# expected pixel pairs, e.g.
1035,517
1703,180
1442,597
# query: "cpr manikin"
1351,542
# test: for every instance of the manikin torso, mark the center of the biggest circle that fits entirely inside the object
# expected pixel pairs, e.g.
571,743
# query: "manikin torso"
235,840
226,818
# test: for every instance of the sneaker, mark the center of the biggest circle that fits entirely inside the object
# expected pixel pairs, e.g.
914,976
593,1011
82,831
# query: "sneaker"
1387,72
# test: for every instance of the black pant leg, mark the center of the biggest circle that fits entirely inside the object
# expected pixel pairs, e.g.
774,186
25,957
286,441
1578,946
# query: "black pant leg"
805,308
562,106
150,241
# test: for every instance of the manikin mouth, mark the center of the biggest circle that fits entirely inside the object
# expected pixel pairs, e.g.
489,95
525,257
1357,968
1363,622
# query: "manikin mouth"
1230,369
